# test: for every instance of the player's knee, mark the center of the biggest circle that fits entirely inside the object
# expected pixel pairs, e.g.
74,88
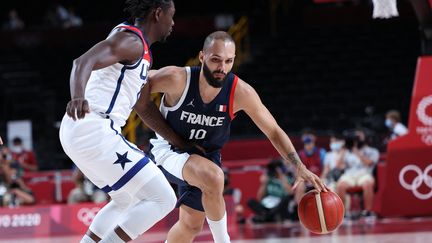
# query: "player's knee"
193,228
214,180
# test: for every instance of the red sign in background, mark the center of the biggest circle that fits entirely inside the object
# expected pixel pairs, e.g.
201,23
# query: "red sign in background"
405,187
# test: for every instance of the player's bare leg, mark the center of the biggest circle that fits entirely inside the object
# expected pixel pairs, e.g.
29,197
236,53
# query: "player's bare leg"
189,225
209,178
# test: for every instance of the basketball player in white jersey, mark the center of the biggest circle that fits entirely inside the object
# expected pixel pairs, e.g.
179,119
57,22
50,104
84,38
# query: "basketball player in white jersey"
106,82
199,103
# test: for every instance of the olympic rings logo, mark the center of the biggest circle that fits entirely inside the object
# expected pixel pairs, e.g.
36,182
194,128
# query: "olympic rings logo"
86,215
422,177
421,110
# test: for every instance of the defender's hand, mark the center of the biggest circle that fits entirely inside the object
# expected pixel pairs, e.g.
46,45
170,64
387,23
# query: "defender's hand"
191,148
77,108
303,174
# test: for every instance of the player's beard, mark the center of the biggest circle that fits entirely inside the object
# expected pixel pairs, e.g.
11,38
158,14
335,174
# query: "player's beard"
214,82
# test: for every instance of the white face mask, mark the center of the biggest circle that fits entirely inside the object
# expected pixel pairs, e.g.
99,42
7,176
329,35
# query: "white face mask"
336,146
17,149
388,123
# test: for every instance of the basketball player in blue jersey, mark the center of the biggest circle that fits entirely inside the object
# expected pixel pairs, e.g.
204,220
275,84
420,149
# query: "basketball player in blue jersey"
106,82
199,103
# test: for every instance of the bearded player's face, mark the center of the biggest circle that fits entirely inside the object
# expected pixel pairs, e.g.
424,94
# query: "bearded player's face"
218,60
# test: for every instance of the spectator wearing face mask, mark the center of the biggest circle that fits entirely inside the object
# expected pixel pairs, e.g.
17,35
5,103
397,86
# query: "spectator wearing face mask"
358,173
393,122
336,160
312,157
26,158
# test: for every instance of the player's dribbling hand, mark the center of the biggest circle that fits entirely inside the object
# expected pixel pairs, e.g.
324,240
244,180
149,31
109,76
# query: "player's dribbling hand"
303,174
77,108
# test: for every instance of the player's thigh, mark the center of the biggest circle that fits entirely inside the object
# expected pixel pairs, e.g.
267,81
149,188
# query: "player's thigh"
169,161
191,218
202,172
102,153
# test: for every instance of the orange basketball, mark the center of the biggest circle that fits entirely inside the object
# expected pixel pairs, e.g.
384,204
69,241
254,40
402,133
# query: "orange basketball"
322,212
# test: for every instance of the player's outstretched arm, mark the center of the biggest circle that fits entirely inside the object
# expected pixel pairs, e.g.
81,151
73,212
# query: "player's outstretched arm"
122,47
248,100
165,81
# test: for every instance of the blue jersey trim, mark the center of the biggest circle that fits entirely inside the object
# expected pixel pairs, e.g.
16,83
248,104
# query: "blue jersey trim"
117,90
124,139
127,177
106,189
119,81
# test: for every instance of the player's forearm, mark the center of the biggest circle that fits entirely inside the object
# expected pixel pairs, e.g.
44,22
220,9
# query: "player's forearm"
152,117
284,146
80,74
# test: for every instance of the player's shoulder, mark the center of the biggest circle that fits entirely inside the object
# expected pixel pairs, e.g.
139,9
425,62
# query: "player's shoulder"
243,88
172,72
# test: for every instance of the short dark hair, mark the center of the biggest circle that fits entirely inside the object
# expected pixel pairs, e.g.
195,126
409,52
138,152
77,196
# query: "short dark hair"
142,8
17,140
217,35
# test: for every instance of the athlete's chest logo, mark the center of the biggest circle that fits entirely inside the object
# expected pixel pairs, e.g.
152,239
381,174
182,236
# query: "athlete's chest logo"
191,103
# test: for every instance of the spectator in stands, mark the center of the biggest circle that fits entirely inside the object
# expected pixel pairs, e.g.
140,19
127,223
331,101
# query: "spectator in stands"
358,169
26,158
312,157
85,190
14,22
236,194
14,191
335,161
274,194
393,122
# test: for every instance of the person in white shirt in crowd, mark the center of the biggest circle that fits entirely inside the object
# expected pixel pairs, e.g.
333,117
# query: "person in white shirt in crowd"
335,161
358,170
393,122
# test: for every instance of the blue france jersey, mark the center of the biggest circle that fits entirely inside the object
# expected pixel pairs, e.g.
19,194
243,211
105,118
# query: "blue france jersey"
206,124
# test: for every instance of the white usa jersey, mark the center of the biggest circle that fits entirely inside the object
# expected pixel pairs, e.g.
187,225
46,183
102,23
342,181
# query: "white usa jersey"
113,91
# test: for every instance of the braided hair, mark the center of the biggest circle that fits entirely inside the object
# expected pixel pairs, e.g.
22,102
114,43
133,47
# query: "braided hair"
140,9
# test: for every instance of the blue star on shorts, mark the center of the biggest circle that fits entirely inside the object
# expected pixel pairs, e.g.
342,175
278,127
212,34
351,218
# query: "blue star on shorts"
122,159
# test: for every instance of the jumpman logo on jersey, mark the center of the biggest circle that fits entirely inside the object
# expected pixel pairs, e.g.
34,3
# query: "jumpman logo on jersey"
122,159
191,103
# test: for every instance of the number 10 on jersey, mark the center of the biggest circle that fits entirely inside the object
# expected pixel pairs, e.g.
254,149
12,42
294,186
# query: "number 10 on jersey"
197,134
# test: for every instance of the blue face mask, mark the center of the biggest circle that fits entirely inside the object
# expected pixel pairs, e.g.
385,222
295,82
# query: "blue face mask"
307,139
336,146
388,123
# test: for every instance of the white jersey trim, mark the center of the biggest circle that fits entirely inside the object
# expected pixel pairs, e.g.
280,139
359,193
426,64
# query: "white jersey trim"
165,109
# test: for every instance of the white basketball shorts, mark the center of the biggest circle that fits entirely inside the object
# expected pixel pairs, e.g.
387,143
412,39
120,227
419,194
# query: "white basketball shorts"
171,161
97,147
